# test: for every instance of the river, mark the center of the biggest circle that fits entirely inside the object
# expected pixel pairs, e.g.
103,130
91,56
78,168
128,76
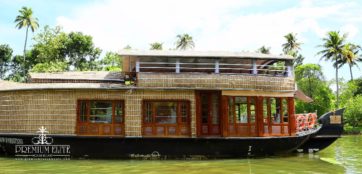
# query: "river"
344,156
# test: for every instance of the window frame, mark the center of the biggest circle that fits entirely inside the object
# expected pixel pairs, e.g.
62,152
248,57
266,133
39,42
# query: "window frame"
179,124
88,124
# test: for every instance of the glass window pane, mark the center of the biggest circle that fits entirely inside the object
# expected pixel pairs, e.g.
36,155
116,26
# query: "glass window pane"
166,112
215,109
83,111
265,110
275,109
148,112
285,110
252,110
184,112
118,112
204,109
100,112
241,110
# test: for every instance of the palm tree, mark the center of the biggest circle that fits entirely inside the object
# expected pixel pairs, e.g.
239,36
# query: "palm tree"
184,42
264,50
333,50
291,45
156,46
26,19
350,56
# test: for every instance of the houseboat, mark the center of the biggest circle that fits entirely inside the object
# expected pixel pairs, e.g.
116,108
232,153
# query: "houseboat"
164,104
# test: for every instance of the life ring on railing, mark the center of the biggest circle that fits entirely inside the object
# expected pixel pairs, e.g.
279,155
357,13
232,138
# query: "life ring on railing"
312,120
300,119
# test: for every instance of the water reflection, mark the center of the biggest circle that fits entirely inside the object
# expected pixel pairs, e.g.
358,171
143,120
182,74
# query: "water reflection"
347,152
344,156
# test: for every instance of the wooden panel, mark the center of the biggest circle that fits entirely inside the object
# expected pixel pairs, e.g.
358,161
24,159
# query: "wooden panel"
209,119
259,116
291,107
257,93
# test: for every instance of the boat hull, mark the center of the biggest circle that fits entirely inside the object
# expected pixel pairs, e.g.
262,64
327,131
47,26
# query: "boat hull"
170,148
329,132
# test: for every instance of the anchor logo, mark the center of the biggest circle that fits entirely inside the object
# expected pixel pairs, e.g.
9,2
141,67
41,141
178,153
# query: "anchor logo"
42,138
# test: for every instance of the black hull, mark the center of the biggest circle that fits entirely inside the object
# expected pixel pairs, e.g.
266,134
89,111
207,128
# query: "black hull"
328,133
166,148
175,148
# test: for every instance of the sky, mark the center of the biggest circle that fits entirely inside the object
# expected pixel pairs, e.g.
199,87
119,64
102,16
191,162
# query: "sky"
215,25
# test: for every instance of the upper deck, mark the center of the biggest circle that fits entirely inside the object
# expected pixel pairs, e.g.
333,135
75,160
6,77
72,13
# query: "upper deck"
210,70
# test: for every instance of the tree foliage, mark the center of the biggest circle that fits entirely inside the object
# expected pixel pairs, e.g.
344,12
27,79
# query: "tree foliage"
5,57
50,67
26,19
358,83
291,43
156,46
353,113
310,80
263,49
112,62
350,56
75,49
352,101
333,51
81,52
184,42
19,67
291,47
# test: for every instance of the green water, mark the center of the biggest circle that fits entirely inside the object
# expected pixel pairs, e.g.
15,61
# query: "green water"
344,156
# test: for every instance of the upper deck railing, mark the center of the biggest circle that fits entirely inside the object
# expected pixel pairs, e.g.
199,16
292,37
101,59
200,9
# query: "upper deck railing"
217,67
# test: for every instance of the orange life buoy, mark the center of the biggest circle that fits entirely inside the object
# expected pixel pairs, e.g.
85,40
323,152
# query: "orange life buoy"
312,120
300,119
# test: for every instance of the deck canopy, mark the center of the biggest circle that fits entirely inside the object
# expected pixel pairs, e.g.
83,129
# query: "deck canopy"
209,62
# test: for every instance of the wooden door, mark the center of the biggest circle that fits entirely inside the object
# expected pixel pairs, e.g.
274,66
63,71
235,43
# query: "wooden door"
208,113
242,116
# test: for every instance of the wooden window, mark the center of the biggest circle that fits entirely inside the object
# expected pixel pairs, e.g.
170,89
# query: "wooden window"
276,110
100,117
241,109
166,118
242,116
285,110
100,112
266,116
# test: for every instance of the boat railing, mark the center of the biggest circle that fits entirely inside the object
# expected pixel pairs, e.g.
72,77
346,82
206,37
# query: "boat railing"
306,122
215,67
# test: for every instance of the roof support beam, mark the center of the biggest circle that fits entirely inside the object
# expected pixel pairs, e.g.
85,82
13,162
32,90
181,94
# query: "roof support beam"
177,66
255,71
137,65
217,66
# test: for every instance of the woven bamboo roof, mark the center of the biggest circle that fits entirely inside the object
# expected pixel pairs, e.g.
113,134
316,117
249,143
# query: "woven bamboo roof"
15,86
201,54
85,75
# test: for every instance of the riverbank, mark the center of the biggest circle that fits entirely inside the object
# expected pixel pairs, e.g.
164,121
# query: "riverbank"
349,130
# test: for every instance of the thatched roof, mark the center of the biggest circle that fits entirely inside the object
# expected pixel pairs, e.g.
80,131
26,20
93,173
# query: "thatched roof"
301,96
204,54
85,75
15,86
